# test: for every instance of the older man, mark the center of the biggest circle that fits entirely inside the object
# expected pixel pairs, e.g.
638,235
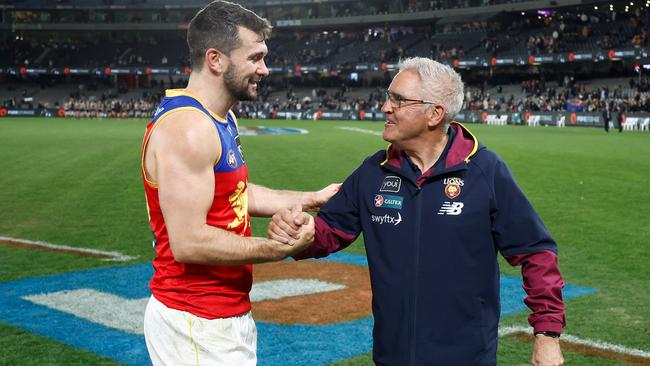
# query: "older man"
435,207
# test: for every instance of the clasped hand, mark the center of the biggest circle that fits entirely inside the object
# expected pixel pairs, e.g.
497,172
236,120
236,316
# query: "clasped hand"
292,227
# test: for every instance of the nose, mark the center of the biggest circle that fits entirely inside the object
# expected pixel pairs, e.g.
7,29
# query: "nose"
386,107
262,70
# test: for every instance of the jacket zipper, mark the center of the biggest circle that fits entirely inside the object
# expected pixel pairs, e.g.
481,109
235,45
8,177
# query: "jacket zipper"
416,267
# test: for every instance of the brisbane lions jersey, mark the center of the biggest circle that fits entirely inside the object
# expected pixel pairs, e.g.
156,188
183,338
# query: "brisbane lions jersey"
208,291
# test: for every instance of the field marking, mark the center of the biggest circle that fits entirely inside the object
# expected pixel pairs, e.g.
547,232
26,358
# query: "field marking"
127,314
59,248
362,130
586,346
277,289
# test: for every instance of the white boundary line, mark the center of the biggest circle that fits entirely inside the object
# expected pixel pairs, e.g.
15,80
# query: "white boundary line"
362,130
112,256
585,342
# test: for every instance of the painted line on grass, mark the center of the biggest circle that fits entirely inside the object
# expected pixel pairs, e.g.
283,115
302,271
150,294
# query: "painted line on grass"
587,346
59,248
362,130
280,343
126,315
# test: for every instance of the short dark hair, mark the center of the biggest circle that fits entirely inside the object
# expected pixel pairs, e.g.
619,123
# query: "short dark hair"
216,26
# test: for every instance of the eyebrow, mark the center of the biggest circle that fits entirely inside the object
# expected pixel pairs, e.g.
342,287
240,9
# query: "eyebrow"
257,55
396,94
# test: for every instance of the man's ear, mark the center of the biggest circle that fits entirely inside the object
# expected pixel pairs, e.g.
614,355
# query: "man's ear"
216,61
436,115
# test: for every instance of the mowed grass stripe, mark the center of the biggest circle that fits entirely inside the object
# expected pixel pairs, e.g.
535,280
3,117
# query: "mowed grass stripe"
77,182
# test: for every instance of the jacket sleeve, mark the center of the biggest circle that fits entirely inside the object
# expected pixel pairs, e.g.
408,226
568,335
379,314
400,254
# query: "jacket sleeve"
338,223
522,239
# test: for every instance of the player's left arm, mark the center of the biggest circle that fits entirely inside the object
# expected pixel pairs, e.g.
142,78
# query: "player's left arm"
524,241
265,202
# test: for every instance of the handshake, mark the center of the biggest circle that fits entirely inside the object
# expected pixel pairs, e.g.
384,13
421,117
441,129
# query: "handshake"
293,228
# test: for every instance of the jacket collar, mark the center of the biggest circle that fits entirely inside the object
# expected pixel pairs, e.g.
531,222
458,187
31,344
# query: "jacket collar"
458,152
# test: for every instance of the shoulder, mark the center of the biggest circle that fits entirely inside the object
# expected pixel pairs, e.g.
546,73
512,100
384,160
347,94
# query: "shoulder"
485,158
190,133
377,158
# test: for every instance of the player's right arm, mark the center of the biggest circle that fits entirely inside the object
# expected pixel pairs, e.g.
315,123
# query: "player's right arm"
182,151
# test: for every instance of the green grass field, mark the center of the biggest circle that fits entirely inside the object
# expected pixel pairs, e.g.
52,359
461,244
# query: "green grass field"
77,182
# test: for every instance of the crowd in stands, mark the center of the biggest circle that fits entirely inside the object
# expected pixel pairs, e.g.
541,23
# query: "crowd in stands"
534,95
111,106
529,34
570,96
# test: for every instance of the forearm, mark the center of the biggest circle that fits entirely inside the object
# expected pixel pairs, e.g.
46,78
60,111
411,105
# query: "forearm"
543,284
265,202
327,239
210,245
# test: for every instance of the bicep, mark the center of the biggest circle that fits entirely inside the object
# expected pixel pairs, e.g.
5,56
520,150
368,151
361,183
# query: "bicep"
185,175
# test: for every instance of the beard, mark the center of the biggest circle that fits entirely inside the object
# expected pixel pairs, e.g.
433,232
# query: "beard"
237,87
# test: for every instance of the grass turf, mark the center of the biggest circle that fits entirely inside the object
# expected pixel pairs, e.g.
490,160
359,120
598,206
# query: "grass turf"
77,182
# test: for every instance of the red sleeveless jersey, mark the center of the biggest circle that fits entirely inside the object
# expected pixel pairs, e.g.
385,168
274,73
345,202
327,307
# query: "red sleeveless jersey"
208,291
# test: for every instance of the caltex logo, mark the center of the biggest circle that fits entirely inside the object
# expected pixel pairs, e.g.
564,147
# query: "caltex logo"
388,201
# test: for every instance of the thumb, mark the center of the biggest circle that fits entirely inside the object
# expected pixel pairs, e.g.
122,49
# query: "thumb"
297,208
302,219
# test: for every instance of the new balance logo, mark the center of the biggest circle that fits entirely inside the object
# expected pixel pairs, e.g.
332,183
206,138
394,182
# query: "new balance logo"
451,208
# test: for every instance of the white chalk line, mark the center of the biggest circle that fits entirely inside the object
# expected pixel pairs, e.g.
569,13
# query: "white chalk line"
504,331
111,256
362,130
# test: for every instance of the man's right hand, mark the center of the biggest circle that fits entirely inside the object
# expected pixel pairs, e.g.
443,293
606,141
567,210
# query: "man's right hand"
289,246
286,225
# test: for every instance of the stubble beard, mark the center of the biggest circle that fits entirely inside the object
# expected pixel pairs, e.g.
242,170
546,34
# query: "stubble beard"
239,91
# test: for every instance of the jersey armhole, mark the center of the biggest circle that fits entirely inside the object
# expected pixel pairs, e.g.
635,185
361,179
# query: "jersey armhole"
145,144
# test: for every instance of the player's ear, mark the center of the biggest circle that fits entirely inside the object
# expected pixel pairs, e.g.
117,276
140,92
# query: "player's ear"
216,61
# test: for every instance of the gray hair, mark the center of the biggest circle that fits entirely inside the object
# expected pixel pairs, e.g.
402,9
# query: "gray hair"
440,84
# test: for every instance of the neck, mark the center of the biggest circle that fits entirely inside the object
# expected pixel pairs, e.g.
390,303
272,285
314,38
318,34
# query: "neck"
211,91
426,152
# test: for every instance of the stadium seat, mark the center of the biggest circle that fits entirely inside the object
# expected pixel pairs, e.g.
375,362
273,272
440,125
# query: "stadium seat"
630,124
533,121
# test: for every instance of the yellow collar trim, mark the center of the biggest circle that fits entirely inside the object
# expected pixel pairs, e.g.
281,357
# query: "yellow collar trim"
179,92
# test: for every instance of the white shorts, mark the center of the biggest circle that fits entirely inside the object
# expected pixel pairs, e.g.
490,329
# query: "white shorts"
177,337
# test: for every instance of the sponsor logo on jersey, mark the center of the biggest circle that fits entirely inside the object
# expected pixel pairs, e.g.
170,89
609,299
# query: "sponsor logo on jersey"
386,201
232,159
391,184
451,208
158,111
240,148
387,219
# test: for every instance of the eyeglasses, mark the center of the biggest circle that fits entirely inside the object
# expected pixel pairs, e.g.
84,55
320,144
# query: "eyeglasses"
397,101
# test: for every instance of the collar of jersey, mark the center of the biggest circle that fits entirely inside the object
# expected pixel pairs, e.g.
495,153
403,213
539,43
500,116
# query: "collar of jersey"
179,92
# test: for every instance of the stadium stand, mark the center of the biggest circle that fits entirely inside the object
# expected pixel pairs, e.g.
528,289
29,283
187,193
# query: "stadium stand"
515,56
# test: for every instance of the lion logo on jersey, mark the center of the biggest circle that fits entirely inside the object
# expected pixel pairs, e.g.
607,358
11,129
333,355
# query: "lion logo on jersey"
239,203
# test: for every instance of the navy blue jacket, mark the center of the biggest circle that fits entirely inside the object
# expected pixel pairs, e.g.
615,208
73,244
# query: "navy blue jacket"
431,241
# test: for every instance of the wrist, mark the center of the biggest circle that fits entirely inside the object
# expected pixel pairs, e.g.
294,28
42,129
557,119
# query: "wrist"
308,200
547,334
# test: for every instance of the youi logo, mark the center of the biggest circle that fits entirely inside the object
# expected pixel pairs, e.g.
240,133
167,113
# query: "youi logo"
391,184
